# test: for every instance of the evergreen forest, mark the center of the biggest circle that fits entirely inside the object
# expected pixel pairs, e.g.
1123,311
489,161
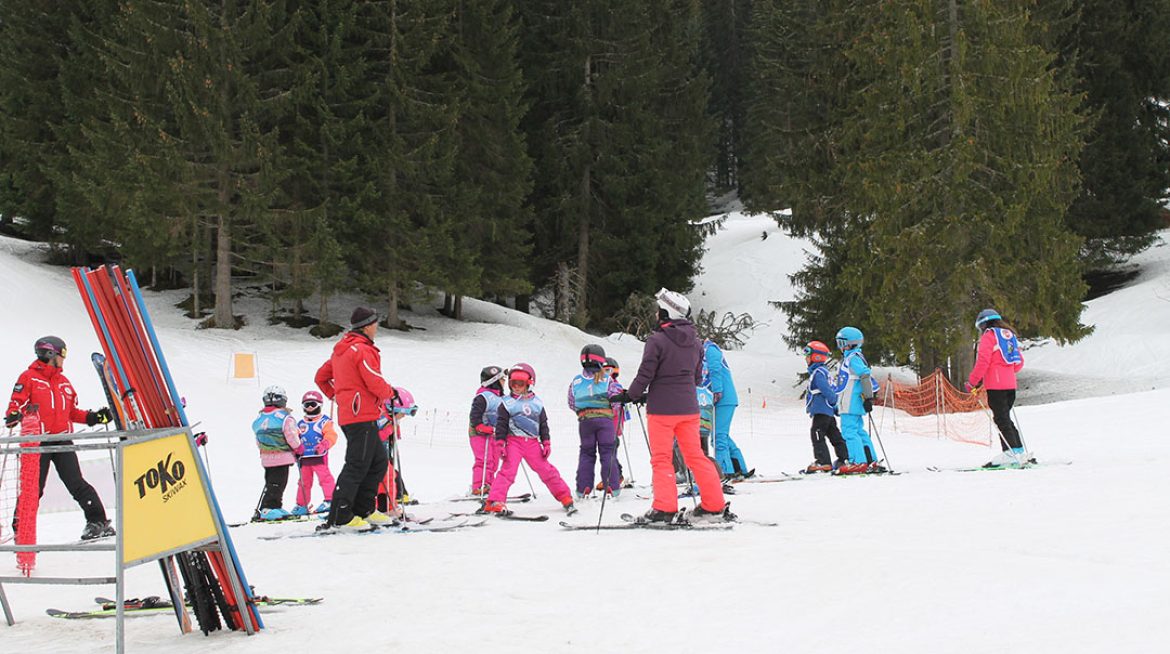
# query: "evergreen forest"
941,156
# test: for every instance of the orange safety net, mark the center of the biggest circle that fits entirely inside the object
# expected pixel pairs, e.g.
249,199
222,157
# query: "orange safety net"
936,408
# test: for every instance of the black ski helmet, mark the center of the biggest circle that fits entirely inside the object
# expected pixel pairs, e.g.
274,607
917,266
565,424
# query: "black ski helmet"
611,362
48,347
492,376
592,356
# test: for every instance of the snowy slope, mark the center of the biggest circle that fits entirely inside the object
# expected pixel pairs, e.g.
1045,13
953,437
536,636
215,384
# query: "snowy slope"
1066,558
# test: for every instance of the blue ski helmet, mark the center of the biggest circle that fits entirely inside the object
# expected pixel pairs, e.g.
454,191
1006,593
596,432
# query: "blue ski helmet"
849,338
986,316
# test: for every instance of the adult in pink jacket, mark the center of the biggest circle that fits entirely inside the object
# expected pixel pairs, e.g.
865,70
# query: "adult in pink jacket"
997,360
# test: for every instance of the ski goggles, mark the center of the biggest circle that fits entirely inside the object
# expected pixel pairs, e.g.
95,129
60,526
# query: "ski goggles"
311,404
519,377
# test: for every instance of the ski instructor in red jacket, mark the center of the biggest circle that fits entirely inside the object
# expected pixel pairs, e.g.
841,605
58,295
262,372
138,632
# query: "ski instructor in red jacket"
44,398
352,378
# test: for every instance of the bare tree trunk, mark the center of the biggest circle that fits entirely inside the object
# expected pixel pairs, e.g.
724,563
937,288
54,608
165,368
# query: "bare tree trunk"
581,316
448,305
392,320
223,317
564,293
523,303
457,314
196,239
323,312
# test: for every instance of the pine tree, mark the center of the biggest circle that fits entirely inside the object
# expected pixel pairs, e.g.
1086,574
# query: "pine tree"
622,142
1125,165
724,46
493,172
957,169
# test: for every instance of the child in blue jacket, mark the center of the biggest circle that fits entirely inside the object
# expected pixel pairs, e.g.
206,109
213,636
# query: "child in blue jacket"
820,401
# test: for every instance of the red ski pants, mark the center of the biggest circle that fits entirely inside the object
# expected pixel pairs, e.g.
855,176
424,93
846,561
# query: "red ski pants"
664,430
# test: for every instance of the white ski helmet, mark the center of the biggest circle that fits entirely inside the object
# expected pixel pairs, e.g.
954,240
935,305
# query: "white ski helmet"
675,305
275,396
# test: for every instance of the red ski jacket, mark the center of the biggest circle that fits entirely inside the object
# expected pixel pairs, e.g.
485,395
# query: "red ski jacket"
352,377
49,390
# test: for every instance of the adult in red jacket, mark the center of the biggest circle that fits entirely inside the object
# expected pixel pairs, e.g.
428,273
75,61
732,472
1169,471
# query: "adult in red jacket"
671,369
43,400
997,360
352,378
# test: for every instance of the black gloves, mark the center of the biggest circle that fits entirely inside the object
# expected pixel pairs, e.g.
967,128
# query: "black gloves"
624,398
867,404
101,416
12,419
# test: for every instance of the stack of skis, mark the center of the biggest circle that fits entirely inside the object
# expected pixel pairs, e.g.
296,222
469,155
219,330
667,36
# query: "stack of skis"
142,395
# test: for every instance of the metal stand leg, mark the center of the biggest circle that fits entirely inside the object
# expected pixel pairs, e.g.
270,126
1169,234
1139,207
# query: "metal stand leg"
7,609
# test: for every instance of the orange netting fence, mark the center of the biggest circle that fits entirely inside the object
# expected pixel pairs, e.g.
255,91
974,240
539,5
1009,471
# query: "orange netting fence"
936,408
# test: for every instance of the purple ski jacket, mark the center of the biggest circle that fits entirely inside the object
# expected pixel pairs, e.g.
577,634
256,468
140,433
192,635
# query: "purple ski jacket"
671,368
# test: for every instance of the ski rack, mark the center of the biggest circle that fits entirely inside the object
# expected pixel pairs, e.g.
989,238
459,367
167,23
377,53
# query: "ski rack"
134,545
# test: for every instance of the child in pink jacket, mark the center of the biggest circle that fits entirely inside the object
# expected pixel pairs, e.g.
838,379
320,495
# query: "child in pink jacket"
997,360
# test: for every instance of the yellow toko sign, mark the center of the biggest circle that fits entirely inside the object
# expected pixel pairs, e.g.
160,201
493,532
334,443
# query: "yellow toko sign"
164,501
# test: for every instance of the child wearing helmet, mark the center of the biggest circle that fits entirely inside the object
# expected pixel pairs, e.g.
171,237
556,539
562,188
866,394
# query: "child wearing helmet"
522,433
820,402
997,360
855,388
590,397
485,406
317,436
620,415
280,446
717,377
394,411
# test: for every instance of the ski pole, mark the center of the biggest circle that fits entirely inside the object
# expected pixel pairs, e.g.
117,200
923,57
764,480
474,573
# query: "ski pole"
602,511
628,464
524,468
646,436
878,436
1019,429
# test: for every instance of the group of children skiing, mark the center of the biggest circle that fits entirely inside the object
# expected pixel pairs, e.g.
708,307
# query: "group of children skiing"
508,425
850,394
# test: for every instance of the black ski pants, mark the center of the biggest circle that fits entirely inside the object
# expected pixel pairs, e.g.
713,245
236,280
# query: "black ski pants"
69,470
1001,411
275,481
824,430
366,459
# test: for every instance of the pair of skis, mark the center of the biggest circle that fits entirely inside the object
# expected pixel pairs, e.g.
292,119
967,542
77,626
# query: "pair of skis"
678,523
155,605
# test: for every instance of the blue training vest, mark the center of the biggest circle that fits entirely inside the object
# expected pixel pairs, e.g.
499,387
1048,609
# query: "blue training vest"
524,415
1009,347
492,408
312,434
269,428
589,394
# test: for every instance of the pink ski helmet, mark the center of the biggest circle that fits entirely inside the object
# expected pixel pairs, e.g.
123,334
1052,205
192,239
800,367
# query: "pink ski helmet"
403,403
522,372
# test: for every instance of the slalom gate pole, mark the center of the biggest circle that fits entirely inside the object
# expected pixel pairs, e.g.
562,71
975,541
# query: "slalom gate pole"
873,428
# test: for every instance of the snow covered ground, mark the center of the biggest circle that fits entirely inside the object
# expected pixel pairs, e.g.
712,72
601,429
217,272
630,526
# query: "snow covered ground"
1061,558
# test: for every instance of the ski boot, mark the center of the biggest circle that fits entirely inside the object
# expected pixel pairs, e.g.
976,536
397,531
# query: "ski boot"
655,515
323,507
300,511
570,509
379,519
272,515
97,529
701,515
815,467
482,491
490,507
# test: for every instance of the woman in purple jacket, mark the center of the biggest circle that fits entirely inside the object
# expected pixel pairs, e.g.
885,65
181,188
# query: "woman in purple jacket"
671,369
